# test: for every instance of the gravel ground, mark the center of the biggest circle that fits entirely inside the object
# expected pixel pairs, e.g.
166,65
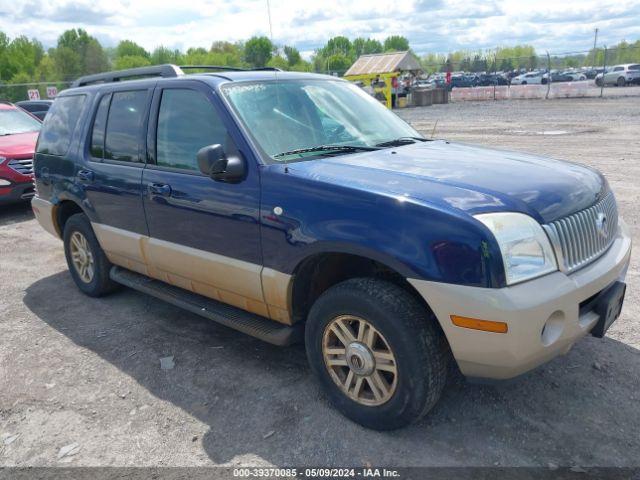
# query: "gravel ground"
81,383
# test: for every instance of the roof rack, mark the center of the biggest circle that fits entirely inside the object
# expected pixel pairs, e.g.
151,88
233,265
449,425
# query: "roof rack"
164,71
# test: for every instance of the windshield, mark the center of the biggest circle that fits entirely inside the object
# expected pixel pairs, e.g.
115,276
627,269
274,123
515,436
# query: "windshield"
13,120
291,115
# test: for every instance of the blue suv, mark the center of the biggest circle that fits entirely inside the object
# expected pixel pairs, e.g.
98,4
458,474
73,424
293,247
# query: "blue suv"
294,207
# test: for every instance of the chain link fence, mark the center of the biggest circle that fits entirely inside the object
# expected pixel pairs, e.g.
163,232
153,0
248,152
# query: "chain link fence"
600,72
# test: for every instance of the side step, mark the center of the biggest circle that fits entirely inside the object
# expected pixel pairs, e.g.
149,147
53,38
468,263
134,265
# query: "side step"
232,317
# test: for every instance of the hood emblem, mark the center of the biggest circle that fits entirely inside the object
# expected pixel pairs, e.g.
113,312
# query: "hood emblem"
601,225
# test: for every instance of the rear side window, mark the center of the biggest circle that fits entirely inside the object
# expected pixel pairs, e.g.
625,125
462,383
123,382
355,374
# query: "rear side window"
187,121
634,67
60,124
124,126
99,124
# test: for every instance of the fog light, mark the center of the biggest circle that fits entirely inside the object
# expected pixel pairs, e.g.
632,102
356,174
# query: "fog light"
4,183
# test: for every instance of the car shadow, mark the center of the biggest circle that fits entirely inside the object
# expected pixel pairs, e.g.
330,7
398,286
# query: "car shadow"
260,400
15,213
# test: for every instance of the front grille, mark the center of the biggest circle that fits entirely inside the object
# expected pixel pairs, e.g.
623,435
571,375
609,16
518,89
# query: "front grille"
24,166
580,238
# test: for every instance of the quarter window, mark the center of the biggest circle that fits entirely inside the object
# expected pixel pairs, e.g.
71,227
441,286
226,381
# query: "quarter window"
60,124
187,121
124,126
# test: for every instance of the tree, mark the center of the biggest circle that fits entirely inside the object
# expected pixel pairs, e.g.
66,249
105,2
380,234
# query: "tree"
78,53
127,48
366,46
292,54
130,61
258,51
396,43
278,62
162,54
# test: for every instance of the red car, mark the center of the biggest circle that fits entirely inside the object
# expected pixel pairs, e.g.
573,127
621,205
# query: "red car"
18,135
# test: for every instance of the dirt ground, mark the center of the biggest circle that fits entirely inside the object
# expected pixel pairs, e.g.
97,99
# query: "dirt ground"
81,383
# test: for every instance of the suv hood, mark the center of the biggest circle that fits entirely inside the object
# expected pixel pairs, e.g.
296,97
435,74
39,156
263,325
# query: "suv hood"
18,144
468,178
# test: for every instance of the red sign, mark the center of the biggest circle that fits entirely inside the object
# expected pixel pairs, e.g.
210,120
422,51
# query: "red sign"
52,92
34,94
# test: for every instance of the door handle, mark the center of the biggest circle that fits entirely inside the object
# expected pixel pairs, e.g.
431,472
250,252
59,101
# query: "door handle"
85,175
160,189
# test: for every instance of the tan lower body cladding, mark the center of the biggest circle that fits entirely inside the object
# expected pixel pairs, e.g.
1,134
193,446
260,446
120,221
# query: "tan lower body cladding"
242,284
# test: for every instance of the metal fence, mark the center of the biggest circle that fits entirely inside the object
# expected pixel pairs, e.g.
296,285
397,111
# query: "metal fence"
490,76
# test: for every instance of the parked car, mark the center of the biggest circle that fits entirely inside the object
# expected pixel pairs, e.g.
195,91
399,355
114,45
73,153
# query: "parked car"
556,77
18,135
574,75
463,81
38,108
528,78
622,75
294,206
490,79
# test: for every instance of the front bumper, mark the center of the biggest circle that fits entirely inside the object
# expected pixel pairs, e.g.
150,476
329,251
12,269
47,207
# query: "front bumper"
17,192
543,315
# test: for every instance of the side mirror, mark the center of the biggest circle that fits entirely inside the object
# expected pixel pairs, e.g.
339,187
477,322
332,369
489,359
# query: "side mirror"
213,162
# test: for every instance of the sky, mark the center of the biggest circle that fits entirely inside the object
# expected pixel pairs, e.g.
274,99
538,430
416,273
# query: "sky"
437,26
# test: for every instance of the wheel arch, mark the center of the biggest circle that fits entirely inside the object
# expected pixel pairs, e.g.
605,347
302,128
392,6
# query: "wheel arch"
319,271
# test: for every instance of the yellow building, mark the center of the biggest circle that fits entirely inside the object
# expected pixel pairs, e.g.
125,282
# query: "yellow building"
376,71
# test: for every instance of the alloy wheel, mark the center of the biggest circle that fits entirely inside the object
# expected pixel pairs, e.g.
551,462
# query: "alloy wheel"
81,257
359,360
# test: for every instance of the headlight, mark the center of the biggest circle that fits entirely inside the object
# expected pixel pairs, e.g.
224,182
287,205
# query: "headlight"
526,251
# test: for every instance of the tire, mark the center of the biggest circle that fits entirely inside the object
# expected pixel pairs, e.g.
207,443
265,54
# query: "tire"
98,283
523,83
621,82
598,82
405,329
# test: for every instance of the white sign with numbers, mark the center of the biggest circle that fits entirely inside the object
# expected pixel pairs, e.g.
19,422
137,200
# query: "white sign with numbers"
52,92
34,94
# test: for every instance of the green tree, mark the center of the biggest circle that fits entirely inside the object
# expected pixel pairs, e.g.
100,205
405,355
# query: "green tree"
128,48
292,54
396,43
162,55
130,61
278,62
258,51
366,46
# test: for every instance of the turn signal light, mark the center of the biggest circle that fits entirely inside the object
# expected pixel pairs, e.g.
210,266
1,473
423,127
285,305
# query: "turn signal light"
477,324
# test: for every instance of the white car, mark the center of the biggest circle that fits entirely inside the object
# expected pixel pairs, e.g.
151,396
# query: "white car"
622,75
575,76
528,78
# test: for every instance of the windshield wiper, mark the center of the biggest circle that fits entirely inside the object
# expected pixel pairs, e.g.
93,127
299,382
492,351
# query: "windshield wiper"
328,148
396,142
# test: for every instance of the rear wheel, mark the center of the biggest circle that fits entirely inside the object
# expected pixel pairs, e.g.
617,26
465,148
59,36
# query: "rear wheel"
379,354
621,81
87,262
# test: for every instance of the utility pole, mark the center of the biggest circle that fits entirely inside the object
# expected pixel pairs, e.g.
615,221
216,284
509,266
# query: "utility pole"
549,79
604,71
595,42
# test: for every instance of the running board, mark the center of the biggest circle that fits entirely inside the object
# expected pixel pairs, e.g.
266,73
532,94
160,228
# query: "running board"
232,317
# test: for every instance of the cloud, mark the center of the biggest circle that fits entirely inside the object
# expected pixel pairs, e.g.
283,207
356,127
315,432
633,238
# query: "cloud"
430,25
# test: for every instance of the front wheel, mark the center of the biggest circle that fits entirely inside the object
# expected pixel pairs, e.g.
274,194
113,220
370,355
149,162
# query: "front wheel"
87,262
379,354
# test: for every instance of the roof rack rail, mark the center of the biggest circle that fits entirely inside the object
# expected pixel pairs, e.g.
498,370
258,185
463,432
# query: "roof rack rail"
232,69
165,71
211,67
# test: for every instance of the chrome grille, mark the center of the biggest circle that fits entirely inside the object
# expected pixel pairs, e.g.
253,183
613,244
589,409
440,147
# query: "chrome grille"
578,239
23,166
